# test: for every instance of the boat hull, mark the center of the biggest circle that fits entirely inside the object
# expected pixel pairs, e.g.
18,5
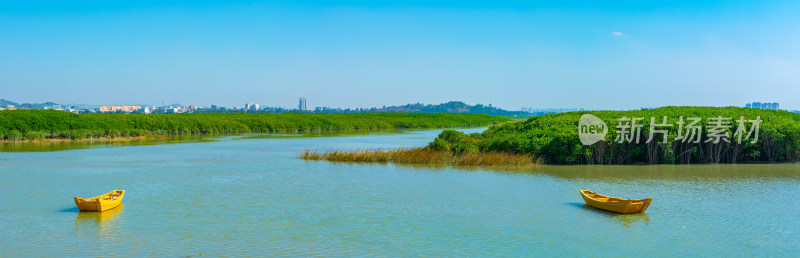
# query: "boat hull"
615,204
100,203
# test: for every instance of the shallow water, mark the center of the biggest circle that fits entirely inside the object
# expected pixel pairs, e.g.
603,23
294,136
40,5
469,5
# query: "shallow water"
250,195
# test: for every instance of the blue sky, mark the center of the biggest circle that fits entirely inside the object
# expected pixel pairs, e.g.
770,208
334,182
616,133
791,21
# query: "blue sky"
589,54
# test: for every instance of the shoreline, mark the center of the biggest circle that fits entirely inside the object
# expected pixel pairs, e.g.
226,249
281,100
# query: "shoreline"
95,139
106,139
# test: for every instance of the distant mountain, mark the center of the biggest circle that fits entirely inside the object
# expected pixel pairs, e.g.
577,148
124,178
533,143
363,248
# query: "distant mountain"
5,102
452,107
449,107
37,106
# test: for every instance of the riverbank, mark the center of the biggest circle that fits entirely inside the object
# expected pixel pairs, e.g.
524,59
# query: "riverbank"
98,139
424,156
51,125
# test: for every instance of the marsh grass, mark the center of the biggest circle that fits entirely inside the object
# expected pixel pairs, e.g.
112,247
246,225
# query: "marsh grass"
424,156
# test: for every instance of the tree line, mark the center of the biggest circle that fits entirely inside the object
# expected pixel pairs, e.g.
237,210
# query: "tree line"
51,124
555,138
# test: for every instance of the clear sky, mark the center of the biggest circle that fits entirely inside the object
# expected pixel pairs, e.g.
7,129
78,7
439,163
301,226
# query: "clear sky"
589,54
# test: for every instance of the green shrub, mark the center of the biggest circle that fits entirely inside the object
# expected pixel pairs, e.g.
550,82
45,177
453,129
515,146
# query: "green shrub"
452,136
14,135
465,147
554,138
35,135
439,145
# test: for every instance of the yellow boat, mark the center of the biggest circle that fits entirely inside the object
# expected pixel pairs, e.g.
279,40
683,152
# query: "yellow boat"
101,203
615,204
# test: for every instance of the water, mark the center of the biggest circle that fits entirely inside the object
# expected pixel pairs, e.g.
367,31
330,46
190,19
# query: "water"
250,195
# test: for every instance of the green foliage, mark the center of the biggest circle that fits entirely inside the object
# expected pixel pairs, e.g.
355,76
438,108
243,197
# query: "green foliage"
456,141
14,135
452,136
439,144
554,138
465,147
51,124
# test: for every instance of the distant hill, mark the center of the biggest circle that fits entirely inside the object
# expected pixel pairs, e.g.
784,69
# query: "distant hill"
5,102
37,106
449,107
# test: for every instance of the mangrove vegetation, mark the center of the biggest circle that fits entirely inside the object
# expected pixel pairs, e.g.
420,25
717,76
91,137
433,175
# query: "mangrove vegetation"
20,125
555,139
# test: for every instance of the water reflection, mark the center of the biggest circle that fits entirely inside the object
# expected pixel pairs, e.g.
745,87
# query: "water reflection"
46,146
338,133
626,220
673,172
627,172
102,221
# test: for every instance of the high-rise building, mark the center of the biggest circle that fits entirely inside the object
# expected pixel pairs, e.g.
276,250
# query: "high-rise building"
765,105
251,107
302,105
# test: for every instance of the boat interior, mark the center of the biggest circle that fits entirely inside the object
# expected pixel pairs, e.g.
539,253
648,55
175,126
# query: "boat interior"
603,198
112,196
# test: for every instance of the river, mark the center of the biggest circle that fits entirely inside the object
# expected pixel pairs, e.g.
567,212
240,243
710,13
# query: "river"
249,195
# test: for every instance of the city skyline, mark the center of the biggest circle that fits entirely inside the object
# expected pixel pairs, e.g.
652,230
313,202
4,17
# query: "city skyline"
614,55
303,107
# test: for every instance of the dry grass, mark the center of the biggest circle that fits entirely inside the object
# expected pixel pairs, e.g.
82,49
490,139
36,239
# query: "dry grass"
424,156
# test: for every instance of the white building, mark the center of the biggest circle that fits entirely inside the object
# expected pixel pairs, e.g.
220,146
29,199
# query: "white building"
251,107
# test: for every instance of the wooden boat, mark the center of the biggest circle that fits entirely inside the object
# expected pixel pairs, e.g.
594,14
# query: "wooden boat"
101,203
615,204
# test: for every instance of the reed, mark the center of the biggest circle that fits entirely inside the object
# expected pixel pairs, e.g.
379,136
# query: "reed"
424,156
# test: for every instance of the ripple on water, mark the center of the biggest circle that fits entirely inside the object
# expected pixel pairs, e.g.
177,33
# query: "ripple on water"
252,196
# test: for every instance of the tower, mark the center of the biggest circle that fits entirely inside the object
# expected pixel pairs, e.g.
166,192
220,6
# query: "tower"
302,105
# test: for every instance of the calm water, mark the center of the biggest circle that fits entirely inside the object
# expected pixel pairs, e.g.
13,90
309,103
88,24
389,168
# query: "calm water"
250,195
